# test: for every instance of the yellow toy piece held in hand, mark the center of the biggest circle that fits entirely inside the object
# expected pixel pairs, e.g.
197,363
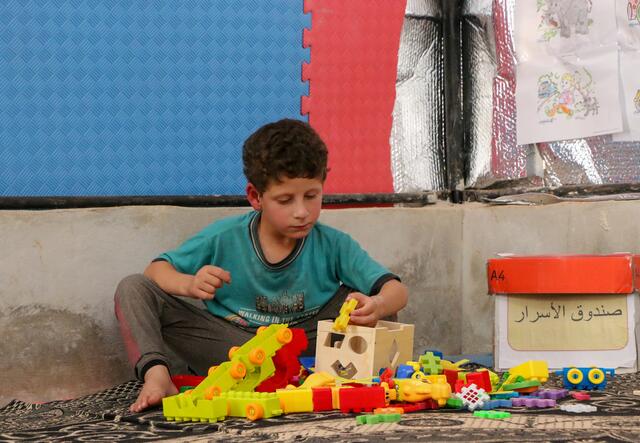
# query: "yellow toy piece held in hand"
341,322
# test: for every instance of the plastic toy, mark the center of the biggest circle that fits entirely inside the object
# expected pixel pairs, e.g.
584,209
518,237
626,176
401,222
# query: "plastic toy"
181,381
341,322
578,409
492,415
531,370
362,399
389,410
430,363
286,362
183,407
296,400
555,394
454,403
472,397
405,371
372,419
419,406
252,405
480,379
585,378
249,365
524,386
497,403
581,396
322,399
533,402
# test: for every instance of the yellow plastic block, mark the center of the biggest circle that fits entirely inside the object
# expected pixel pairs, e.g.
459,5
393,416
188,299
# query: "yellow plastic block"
295,400
532,370
318,379
436,378
441,392
412,390
341,322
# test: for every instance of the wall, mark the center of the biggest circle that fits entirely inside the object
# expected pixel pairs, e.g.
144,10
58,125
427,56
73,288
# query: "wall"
59,269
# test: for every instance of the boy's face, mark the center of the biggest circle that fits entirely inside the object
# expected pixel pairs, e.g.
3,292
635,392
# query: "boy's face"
290,207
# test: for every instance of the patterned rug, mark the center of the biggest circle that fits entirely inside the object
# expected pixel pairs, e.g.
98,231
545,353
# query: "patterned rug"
104,417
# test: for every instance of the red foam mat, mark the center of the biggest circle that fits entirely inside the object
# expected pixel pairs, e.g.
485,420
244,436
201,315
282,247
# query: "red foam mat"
352,74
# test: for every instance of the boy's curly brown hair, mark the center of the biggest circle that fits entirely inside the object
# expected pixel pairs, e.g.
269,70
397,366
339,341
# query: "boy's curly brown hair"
286,148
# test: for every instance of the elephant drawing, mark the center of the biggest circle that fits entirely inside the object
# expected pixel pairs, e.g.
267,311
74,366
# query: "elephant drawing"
571,15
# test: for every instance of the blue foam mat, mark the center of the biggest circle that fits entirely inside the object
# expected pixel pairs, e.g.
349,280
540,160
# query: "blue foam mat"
141,97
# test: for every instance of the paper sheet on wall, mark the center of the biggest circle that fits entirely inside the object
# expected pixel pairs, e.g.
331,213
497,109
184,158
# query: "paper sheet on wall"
630,93
559,98
628,18
556,27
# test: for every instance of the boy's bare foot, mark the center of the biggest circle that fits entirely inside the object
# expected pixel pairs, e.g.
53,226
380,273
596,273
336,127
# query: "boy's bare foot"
157,385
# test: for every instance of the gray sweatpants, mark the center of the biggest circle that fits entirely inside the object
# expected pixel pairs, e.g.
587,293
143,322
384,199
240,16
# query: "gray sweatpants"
159,328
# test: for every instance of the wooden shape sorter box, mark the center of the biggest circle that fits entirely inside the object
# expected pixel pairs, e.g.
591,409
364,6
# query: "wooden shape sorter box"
360,352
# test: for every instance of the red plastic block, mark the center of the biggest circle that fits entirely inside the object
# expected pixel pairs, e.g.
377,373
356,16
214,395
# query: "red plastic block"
452,378
581,396
387,377
286,363
362,399
352,74
186,380
481,380
322,399
418,406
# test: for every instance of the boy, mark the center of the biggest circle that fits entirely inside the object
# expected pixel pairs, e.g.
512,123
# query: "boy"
286,268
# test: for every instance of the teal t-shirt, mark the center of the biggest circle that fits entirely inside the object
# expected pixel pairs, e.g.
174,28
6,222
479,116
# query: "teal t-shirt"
290,291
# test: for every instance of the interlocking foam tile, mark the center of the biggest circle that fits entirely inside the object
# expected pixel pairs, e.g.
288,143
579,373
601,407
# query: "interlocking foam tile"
121,97
352,74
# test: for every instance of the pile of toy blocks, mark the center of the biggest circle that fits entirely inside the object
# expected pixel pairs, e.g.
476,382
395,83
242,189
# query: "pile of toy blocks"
264,378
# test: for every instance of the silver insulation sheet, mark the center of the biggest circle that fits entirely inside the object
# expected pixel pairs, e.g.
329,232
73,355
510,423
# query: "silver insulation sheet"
489,107
590,161
489,85
417,133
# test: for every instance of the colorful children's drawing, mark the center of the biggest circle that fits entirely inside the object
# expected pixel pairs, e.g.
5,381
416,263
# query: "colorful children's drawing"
562,17
571,94
633,10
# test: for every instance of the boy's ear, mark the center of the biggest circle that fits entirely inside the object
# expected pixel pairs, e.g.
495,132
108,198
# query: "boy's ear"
254,197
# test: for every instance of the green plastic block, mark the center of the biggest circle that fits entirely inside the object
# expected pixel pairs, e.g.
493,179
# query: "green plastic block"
520,385
372,419
257,404
454,403
221,377
494,415
430,364
183,407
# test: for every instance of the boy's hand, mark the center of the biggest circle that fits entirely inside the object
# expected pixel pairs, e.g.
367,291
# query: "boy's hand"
368,311
206,281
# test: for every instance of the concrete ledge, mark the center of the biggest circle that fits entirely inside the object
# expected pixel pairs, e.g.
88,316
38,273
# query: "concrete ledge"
59,270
